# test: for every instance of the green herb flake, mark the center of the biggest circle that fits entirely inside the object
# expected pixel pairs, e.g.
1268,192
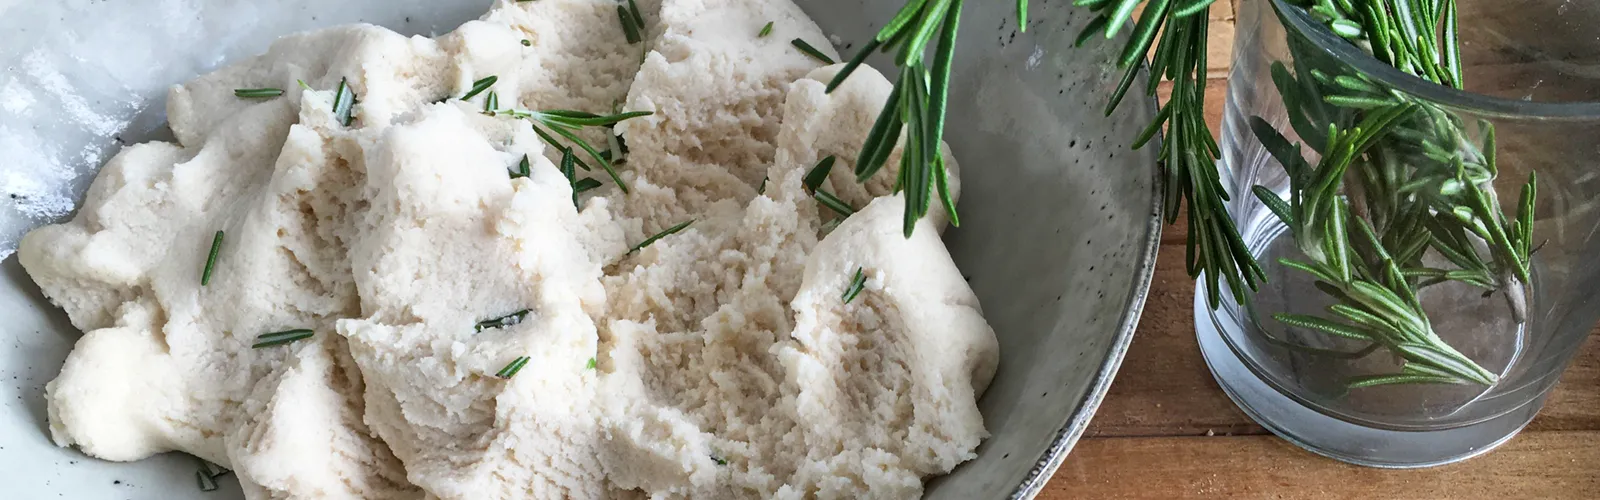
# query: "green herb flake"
281,338
719,460
818,173
833,203
211,259
585,184
629,28
502,321
206,482
765,30
527,42
479,86
811,51
513,367
857,283
491,103
664,233
257,93
344,101
590,365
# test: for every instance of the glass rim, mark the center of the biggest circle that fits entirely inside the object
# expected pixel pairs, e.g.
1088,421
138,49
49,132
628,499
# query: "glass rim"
1345,52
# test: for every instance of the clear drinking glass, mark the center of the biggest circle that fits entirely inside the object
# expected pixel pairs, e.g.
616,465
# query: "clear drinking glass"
1532,75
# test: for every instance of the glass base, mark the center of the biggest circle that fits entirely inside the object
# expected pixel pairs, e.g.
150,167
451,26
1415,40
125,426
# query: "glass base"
1339,439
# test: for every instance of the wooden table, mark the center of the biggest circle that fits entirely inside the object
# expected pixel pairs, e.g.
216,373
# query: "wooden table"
1167,431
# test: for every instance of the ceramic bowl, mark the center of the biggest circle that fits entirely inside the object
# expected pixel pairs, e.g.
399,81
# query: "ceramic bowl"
1059,217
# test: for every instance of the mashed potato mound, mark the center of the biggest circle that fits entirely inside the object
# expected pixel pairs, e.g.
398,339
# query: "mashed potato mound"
719,361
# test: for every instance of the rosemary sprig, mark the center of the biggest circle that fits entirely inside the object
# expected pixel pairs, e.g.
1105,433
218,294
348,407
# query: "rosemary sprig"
479,86
811,51
211,258
765,30
344,101
281,338
513,367
916,105
857,283
1423,185
501,321
565,123
254,93
664,233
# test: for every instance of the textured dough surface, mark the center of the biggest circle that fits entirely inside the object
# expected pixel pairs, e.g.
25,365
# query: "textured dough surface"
717,362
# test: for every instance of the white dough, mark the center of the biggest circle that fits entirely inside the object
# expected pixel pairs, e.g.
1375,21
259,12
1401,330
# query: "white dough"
721,361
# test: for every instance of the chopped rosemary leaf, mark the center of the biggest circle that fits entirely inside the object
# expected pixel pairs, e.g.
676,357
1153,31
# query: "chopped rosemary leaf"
303,84
479,86
590,365
211,259
205,481
638,17
527,42
763,188
565,124
513,367
344,101
585,184
629,29
491,103
280,338
616,143
834,203
213,470
524,169
502,321
765,30
664,233
819,173
261,92
811,51
856,284
719,460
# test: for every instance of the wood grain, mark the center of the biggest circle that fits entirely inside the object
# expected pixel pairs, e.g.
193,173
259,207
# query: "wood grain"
1545,465
1165,430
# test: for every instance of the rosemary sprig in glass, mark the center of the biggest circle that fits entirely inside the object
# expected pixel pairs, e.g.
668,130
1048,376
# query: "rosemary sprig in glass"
1421,183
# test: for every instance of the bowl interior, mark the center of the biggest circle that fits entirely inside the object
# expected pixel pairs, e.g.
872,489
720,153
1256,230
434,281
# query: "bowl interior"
1058,235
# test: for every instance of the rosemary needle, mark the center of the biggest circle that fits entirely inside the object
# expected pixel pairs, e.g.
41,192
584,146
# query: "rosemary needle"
344,101
585,184
280,338
664,233
211,259
818,173
527,42
513,367
206,482
765,30
479,86
524,168
491,103
501,321
629,28
857,283
833,203
590,365
261,92
811,51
